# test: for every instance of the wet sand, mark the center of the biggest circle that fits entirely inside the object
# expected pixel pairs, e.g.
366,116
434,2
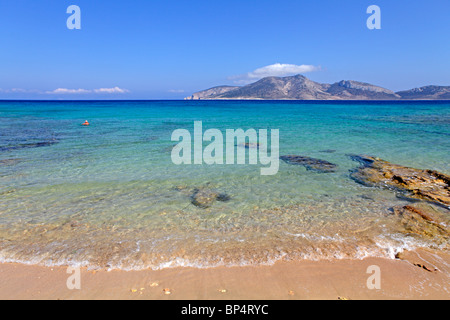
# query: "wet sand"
421,275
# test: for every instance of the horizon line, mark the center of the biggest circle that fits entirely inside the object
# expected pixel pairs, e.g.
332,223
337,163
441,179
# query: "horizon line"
231,100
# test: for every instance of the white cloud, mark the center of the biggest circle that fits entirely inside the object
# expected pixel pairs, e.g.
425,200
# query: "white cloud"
84,91
68,91
176,91
111,90
17,90
274,70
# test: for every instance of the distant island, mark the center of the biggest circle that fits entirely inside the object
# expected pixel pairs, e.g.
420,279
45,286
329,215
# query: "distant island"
301,88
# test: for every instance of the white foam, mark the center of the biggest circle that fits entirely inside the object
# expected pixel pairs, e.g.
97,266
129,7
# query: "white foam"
396,243
386,246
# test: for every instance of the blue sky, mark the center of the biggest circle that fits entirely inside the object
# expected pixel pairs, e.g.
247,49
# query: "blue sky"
145,49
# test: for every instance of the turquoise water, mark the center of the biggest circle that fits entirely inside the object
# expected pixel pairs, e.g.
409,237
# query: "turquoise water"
108,195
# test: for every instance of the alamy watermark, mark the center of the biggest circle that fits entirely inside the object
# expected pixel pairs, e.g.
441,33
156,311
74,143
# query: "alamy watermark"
74,21
374,21
231,151
74,281
374,281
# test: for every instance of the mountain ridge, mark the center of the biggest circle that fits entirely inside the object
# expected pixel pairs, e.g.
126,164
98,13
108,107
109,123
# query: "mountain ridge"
299,87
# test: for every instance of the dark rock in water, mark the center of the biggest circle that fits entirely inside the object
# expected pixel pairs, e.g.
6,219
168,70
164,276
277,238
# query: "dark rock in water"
170,148
405,197
311,164
205,198
420,184
249,145
10,162
328,151
180,188
223,197
366,197
7,192
28,145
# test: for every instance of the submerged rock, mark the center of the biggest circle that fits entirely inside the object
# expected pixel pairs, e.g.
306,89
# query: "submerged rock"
328,151
311,164
423,220
8,191
28,145
223,197
250,145
205,198
169,149
420,184
10,162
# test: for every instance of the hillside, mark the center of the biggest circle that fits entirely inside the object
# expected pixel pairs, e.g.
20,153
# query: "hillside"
301,88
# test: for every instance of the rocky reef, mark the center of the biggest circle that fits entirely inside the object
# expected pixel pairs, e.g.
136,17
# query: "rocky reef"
423,220
427,217
311,164
203,197
28,145
427,185
10,162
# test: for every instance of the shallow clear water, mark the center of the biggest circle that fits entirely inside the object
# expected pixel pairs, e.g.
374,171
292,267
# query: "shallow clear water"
108,195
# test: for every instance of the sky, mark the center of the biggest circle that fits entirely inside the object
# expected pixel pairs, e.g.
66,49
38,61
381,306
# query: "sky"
146,49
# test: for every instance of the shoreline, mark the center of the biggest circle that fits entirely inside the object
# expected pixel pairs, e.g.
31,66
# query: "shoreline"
420,274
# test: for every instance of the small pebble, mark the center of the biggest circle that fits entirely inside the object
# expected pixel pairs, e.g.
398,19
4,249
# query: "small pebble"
167,291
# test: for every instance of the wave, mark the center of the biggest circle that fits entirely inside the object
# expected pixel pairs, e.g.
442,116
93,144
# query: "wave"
332,248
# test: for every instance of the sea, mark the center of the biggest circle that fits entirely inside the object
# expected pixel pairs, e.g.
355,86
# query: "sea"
108,195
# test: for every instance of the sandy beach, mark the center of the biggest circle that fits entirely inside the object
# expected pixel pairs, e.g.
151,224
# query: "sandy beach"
421,275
